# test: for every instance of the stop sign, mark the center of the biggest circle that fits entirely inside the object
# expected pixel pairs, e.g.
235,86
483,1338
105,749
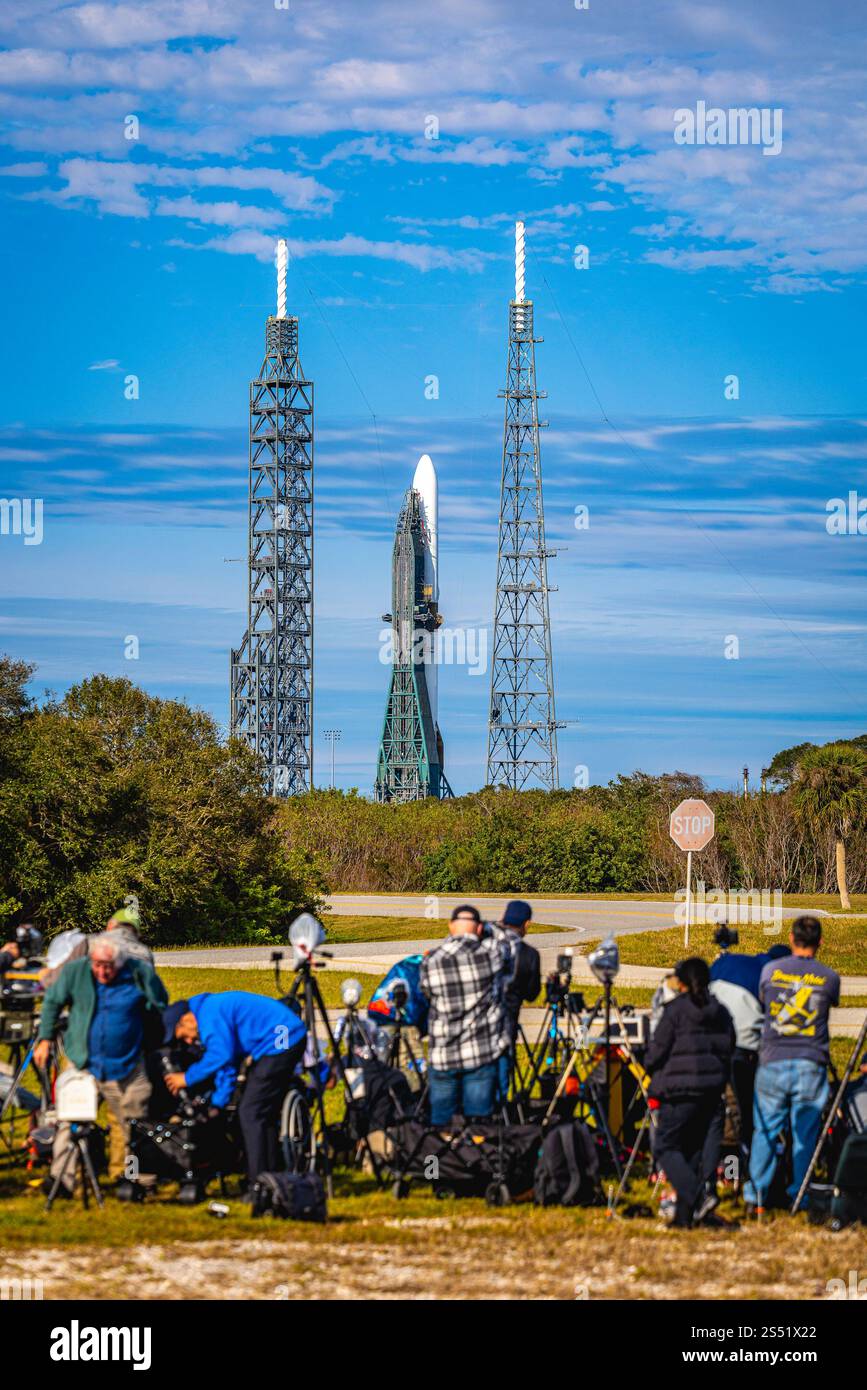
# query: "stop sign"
691,825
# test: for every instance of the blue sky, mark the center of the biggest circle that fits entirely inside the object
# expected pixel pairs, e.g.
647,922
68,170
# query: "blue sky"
153,256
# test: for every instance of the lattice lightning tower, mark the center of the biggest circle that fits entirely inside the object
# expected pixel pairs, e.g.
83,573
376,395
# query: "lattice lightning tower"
522,729
272,670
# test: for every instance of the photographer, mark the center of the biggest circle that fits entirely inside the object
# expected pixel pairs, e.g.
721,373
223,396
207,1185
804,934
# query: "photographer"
8,956
126,923
110,999
734,981
689,1060
464,980
231,1026
523,982
797,993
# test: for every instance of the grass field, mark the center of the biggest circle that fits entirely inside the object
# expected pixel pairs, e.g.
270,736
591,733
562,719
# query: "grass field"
844,944
375,1246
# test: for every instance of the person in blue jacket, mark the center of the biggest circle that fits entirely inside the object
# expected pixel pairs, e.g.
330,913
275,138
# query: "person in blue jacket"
232,1026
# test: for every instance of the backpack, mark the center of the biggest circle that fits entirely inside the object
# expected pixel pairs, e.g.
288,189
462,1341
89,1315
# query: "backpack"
291,1196
381,1006
567,1170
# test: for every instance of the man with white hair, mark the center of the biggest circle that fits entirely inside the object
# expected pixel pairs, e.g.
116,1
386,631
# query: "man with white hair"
111,998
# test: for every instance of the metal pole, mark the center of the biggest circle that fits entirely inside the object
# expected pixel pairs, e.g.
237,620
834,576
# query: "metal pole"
688,897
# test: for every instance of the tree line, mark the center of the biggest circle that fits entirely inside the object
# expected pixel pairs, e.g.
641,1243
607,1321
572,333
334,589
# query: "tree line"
807,833
110,792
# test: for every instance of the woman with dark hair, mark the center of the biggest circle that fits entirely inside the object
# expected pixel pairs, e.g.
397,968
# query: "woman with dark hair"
689,1059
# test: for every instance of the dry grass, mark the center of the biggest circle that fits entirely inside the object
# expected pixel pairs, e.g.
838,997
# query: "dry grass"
374,1247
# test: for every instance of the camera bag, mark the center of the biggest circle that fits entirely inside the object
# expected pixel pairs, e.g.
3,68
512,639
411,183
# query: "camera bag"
567,1172
291,1196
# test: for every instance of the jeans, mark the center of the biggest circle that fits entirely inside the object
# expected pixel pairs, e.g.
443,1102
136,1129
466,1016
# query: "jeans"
788,1094
455,1092
505,1066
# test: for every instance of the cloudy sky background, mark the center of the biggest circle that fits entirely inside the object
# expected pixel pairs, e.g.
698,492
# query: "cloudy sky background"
154,256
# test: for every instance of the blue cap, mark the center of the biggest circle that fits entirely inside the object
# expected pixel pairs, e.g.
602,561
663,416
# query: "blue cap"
172,1016
517,913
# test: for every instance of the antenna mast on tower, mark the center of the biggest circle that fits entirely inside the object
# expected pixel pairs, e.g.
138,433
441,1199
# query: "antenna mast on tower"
271,686
522,729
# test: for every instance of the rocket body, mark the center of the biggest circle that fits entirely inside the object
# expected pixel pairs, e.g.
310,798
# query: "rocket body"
426,485
410,761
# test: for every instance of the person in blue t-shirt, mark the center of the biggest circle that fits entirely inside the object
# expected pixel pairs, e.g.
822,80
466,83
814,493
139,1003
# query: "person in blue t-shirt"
231,1026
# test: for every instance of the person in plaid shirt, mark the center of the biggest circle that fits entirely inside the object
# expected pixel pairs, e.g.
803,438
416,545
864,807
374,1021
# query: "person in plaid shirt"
464,979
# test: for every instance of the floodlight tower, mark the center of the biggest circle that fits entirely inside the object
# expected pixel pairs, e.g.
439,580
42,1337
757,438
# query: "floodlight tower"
522,728
272,670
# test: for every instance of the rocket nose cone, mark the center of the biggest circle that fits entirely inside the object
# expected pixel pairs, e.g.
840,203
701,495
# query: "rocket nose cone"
425,473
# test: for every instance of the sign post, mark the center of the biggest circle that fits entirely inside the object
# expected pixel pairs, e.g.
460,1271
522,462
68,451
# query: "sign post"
691,827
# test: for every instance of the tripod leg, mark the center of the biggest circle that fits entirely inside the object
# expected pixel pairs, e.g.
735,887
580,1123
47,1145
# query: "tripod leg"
646,1119
68,1157
88,1174
827,1126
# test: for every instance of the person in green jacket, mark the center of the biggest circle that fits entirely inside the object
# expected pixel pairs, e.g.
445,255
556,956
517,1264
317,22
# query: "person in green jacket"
110,997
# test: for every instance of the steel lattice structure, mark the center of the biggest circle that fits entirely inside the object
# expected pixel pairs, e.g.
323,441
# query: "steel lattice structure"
272,670
522,729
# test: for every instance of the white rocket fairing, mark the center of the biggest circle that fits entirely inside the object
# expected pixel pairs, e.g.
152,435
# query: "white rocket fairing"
425,484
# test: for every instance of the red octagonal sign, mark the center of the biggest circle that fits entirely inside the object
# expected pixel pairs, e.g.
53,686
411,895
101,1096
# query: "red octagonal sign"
691,825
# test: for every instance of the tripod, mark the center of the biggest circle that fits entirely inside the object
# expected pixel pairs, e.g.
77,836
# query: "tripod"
586,1058
20,1058
306,992
400,1050
78,1155
551,1040
831,1117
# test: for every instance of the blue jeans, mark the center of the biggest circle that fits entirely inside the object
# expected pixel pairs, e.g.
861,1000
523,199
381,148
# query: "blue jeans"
788,1094
505,1067
469,1093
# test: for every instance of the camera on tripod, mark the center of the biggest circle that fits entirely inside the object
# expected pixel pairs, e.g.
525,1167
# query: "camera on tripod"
558,991
21,991
726,937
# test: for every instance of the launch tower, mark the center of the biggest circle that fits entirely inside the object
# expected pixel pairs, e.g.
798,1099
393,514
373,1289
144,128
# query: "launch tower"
272,670
522,729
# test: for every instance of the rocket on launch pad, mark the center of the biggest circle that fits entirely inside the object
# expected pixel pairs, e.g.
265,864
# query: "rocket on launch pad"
410,762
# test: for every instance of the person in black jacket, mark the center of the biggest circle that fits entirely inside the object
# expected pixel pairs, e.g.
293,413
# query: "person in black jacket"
523,981
689,1060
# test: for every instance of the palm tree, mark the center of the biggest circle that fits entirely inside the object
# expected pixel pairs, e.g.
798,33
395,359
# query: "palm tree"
830,788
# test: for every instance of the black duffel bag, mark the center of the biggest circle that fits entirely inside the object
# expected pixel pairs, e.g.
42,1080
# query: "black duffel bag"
567,1173
479,1154
291,1196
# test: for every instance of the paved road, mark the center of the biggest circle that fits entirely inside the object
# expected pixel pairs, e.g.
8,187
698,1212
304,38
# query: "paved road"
580,921
589,917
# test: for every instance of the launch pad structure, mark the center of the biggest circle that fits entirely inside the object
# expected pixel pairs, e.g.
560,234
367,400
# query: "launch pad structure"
522,728
271,683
